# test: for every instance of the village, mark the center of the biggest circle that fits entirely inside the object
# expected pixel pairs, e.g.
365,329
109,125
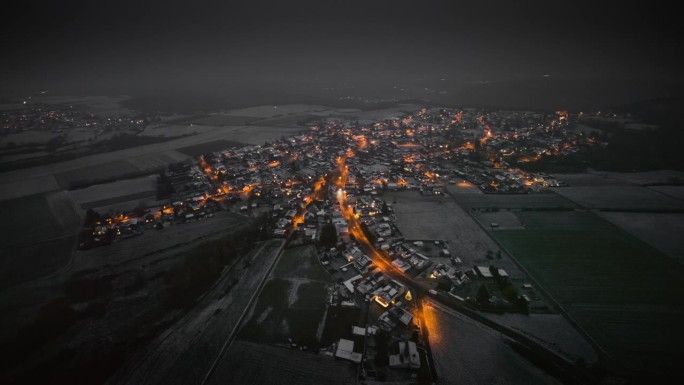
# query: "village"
427,152
335,186
336,193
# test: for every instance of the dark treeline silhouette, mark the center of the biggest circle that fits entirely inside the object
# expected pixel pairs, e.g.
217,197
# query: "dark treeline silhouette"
642,150
629,150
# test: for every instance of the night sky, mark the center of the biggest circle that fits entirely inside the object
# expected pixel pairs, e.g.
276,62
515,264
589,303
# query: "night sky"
457,49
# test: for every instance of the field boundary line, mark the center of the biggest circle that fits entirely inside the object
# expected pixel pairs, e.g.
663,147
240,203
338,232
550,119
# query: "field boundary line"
601,353
232,335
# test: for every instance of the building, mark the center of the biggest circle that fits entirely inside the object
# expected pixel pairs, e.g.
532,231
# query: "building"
407,357
345,351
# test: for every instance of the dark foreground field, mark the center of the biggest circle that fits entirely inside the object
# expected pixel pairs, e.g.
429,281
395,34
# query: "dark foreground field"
252,363
38,237
468,353
293,302
626,295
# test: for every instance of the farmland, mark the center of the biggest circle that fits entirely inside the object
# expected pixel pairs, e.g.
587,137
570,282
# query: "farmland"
620,198
155,241
220,120
40,237
98,195
252,363
384,113
646,177
28,186
256,134
136,166
673,191
431,218
623,293
648,227
133,285
128,163
183,353
101,105
304,110
205,148
32,220
552,330
301,262
582,180
503,219
288,120
270,111
292,303
468,353
22,263
469,200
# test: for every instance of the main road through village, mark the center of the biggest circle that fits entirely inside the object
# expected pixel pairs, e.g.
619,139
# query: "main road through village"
569,370
186,338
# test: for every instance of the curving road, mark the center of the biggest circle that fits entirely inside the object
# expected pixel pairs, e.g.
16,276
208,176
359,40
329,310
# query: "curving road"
570,372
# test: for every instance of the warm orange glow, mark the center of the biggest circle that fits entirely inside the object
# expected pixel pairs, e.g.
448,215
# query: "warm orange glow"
275,163
484,139
408,145
429,320
487,130
382,301
526,159
352,220
361,141
562,115
297,220
457,118
208,171
468,146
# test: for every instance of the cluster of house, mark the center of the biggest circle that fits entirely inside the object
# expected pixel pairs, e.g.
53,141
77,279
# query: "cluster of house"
192,204
396,320
334,175
105,229
404,352
424,151
407,259
58,118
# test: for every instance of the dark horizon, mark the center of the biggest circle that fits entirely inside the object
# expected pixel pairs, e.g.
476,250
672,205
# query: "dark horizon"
494,53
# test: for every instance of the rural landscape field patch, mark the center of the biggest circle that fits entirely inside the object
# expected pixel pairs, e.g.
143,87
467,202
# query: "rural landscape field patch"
624,293
293,302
